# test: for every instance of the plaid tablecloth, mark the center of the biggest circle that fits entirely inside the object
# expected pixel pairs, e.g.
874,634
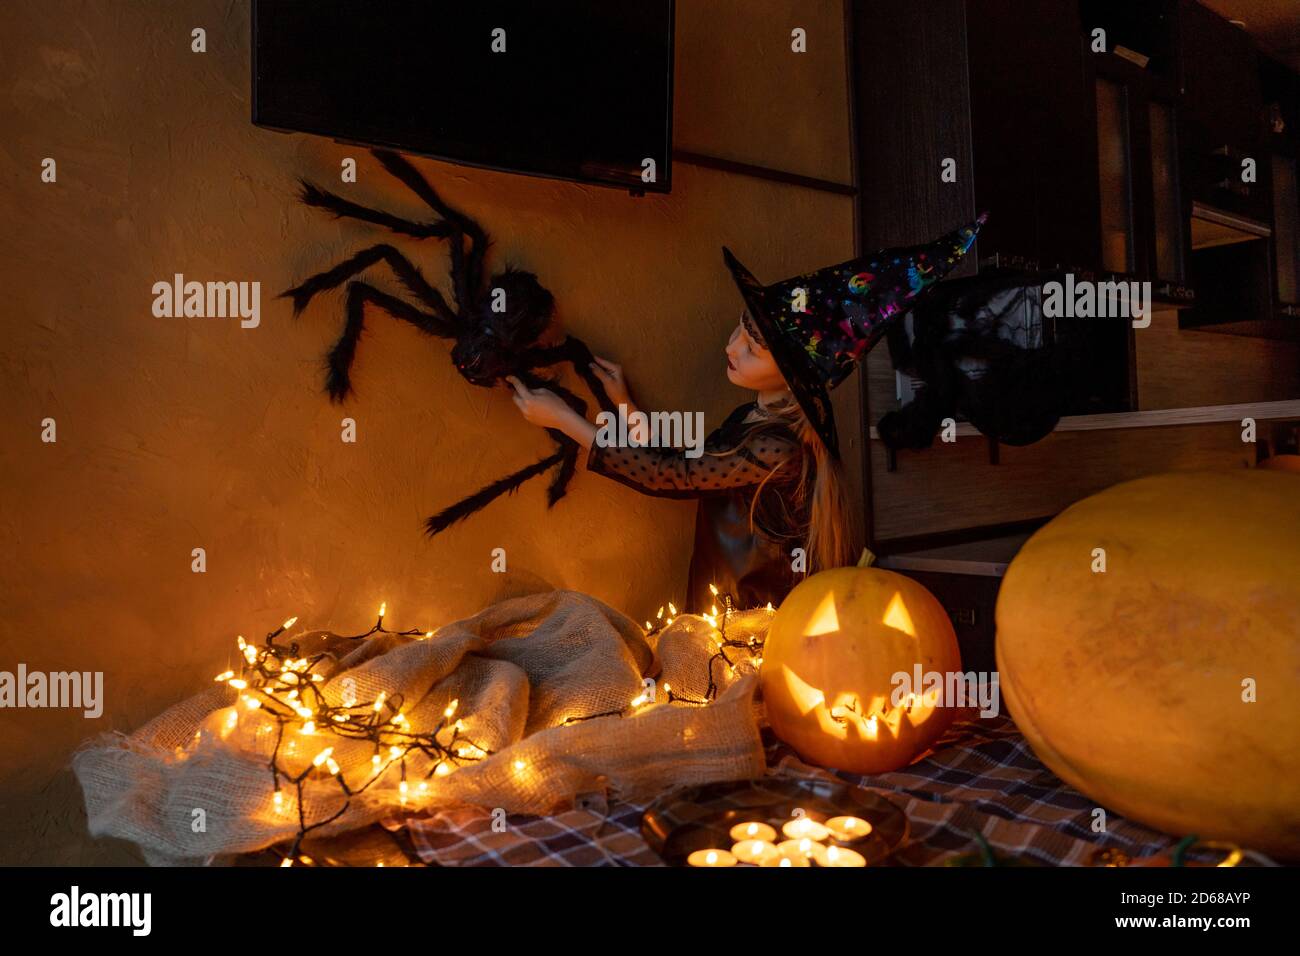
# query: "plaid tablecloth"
981,776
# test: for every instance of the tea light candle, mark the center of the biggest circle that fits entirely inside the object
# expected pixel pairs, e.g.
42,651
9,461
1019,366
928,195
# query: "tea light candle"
753,831
804,829
754,851
848,828
840,856
712,857
780,860
800,849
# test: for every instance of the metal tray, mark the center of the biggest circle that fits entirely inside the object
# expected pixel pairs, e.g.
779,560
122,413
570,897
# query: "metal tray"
698,818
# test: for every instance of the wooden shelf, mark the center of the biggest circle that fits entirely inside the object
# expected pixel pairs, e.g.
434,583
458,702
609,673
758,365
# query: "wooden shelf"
987,557
1158,417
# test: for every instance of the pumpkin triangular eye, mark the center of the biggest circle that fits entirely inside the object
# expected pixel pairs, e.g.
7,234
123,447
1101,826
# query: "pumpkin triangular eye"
806,697
824,619
896,616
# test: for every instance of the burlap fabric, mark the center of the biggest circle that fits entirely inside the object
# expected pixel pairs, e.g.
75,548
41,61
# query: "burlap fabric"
194,784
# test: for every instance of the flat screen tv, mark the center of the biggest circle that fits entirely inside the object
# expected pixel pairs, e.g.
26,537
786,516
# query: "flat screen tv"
569,89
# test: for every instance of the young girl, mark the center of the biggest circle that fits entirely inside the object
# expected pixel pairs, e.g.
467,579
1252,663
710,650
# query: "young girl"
766,482
769,481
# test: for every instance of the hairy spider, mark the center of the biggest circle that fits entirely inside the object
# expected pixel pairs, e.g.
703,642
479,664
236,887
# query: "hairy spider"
497,325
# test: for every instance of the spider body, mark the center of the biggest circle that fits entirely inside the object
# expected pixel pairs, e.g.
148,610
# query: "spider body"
496,326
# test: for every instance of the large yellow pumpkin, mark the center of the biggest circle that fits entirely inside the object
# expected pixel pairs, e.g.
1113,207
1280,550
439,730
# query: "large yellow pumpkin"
829,662
1134,684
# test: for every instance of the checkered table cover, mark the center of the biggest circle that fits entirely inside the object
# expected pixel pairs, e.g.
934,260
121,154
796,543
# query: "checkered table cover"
980,776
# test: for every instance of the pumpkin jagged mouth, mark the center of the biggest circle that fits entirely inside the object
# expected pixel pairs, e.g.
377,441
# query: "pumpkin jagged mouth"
844,714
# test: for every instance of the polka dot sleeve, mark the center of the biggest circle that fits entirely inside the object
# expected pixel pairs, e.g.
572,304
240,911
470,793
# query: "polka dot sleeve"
722,467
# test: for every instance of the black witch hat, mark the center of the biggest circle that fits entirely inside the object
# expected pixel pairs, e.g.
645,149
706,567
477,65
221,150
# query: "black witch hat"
819,325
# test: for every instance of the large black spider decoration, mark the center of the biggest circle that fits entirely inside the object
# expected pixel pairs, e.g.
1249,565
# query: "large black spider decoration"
497,325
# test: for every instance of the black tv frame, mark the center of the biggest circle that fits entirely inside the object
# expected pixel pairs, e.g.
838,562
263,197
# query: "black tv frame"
662,185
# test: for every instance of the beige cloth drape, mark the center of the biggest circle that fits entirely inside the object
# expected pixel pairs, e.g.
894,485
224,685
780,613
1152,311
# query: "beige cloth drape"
194,783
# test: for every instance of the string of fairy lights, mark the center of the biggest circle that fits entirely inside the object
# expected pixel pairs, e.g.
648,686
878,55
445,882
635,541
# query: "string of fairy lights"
276,678
753,647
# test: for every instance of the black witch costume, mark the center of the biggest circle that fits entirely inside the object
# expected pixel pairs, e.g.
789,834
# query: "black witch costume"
818,326
752,460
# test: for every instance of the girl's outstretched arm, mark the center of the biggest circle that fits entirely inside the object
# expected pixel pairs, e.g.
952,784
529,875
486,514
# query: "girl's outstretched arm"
669,473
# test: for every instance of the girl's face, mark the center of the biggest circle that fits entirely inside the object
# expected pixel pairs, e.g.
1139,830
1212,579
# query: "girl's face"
750,365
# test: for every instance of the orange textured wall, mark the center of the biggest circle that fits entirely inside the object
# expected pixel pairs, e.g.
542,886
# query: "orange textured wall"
182,433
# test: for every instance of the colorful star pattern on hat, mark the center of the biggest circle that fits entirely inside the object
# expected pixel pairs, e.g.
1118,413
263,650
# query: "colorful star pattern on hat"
819,325
838,312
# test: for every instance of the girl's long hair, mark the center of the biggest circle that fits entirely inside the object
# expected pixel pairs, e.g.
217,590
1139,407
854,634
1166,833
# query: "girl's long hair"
830,538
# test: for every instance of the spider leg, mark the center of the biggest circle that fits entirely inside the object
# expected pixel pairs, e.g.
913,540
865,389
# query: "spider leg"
570,350
338,362
313,195
485,496
447,322
568,448
565,455
468,274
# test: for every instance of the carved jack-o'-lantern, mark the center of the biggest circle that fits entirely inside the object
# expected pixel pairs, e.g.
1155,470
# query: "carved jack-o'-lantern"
829,666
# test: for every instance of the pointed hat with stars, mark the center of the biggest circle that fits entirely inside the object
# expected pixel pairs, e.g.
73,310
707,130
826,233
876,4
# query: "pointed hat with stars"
819,325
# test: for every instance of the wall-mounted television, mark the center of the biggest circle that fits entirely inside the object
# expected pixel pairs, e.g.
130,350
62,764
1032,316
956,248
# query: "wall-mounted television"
569,89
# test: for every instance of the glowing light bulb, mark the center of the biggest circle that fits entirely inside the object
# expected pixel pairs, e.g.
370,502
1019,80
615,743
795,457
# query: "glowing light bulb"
289,623
451,708
321,757
382,608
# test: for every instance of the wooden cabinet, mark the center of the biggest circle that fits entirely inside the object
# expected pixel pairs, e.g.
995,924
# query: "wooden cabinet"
1035,156
1221,107
1281,95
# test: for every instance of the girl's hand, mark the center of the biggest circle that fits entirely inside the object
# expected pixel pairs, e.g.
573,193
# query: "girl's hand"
611,376
540,406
